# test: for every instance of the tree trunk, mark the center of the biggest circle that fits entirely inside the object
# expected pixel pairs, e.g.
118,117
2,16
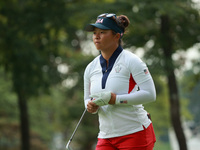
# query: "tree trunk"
24,121
167,46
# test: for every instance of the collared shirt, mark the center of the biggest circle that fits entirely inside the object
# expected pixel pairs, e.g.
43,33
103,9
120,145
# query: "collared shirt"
121,76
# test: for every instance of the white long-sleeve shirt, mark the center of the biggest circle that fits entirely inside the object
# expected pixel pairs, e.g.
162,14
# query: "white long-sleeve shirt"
128,77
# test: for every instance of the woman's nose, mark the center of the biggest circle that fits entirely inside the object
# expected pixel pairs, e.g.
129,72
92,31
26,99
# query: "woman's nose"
96,36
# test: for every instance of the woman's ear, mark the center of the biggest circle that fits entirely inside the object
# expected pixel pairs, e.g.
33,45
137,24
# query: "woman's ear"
117,36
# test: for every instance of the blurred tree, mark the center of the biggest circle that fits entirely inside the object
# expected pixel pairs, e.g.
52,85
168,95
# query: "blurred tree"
29,43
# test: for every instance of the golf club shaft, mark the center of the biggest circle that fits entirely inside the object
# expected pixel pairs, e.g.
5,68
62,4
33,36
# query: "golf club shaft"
78,125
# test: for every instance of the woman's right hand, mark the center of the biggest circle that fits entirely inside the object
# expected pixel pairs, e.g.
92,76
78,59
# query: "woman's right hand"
92,107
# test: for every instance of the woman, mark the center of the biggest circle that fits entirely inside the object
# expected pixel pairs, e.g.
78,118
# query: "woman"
116,84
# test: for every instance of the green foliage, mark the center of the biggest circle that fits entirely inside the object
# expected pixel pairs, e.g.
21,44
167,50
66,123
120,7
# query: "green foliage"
31,29
160,145
189,89
8,109
159,110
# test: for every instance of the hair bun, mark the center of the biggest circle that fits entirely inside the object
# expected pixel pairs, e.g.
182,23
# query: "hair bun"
123,21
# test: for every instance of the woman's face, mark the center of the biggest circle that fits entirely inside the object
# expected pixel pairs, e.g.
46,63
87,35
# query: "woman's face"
104,39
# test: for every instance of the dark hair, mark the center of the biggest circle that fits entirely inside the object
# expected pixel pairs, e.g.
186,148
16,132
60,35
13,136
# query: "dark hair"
123,22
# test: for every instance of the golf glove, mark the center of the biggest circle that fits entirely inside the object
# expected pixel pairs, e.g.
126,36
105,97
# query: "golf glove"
101,99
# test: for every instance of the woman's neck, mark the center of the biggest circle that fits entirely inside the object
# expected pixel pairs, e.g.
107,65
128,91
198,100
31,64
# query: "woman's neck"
108,53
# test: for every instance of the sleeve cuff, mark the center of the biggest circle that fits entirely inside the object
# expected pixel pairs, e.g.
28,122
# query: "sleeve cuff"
117,101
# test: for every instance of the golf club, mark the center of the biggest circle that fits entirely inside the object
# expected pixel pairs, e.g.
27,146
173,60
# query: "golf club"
67,146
